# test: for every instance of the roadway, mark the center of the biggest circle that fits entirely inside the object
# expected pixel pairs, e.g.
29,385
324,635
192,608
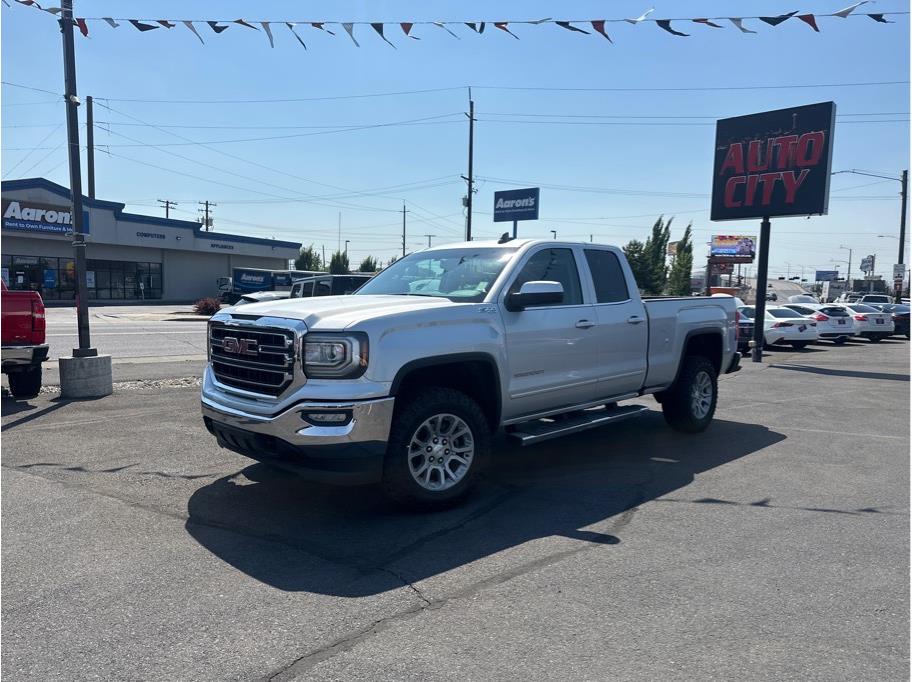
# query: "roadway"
773,546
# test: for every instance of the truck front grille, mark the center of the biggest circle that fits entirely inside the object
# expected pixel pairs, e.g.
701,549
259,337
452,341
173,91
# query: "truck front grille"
256,359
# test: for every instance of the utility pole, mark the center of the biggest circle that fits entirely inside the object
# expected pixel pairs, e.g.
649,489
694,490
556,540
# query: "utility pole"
207,221
346,246
323,262
429,238
849,273
339,242
167,205
85,374
403,227
470,179
90,146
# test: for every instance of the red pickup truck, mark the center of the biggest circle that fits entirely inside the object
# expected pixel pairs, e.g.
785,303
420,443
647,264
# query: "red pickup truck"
23,342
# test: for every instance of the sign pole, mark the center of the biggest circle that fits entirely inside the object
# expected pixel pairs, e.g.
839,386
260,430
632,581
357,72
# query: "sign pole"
760,303
514,228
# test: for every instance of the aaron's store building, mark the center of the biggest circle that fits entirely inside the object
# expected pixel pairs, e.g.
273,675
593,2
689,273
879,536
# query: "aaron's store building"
129,256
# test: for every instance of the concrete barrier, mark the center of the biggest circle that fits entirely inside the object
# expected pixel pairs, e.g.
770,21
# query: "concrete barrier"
88,377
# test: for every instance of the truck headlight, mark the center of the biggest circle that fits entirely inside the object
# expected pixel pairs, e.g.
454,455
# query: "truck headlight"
335,356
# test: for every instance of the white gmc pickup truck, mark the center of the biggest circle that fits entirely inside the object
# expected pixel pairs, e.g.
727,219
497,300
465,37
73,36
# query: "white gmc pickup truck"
406,381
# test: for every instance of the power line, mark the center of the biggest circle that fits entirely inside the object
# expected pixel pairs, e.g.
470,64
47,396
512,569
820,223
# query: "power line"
34,149
690,88
285,99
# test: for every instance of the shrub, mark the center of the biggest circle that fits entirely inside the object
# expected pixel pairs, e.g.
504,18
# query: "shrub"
207,306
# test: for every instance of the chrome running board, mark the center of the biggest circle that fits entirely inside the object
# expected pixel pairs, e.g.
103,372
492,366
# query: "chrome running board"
529,433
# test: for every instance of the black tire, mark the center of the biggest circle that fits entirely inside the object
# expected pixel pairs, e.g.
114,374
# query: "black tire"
678,404
875,338
25,384
411,415
840,341
799,345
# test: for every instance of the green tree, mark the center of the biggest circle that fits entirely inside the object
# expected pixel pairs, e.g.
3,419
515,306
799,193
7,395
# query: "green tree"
338,264
392,260
309,259
369,264
655,271
635,253
682,265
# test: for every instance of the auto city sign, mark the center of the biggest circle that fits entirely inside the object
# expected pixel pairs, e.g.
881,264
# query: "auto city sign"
516,204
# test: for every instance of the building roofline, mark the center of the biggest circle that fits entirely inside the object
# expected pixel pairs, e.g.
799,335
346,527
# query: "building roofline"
120,214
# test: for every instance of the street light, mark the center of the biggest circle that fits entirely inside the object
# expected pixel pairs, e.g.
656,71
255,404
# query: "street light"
346,246
903,180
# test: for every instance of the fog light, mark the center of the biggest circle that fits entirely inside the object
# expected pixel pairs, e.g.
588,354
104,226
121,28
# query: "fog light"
327,418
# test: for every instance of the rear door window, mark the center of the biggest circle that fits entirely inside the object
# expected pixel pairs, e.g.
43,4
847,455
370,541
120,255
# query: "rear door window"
835,312
323,287
607,276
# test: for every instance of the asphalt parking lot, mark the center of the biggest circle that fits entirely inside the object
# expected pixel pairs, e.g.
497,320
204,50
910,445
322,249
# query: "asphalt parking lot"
773,546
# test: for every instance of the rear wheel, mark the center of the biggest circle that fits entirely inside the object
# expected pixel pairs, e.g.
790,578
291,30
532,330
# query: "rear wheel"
875,338
841,340
690,403
439,441
25,384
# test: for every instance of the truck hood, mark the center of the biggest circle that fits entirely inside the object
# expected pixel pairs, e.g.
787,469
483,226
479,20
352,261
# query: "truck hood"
335,313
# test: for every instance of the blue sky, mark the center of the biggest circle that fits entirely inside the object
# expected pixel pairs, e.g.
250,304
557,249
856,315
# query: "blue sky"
604,169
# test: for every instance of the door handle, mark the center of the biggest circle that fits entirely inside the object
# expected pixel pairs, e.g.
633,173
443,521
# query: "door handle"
634,319
584,324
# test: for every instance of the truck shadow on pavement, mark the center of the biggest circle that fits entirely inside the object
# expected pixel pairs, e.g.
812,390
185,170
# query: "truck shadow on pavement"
353,542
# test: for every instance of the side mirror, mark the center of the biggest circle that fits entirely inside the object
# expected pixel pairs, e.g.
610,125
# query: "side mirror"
535,293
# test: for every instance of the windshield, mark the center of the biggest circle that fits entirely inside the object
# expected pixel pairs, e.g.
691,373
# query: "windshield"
464,275
783,312
748,311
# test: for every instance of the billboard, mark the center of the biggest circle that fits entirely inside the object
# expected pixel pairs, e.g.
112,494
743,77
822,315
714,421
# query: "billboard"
775,163
516,204
867,264
826,275
733,245
899,271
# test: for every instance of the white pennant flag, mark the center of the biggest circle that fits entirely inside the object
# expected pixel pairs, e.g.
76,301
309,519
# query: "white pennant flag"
291,25
111,22
443,26
349,29
737,22
268,31
189,24
53,10
640,18
848,10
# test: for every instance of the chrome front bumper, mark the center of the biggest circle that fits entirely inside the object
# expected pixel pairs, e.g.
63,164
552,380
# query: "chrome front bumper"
347,453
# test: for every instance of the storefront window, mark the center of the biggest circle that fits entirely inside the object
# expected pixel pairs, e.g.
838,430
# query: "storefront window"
55,278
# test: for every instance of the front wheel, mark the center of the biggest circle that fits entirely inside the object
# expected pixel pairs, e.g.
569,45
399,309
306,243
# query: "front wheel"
439,441
25,384
689,405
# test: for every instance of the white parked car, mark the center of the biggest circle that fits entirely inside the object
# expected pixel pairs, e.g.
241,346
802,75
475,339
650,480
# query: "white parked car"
834,322
876,298
870,323
786,326
802,298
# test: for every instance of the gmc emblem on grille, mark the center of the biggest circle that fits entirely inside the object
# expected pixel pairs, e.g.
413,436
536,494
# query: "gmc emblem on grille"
237,346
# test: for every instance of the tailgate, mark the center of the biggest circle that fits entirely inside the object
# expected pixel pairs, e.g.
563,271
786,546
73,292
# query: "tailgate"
17,317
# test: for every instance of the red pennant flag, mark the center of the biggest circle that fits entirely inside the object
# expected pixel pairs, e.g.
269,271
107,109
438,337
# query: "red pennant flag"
707,22
502,25
666,25
406,27
319,25
599,26
809,20
83,28
29,3
141,26
244,23
166,23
